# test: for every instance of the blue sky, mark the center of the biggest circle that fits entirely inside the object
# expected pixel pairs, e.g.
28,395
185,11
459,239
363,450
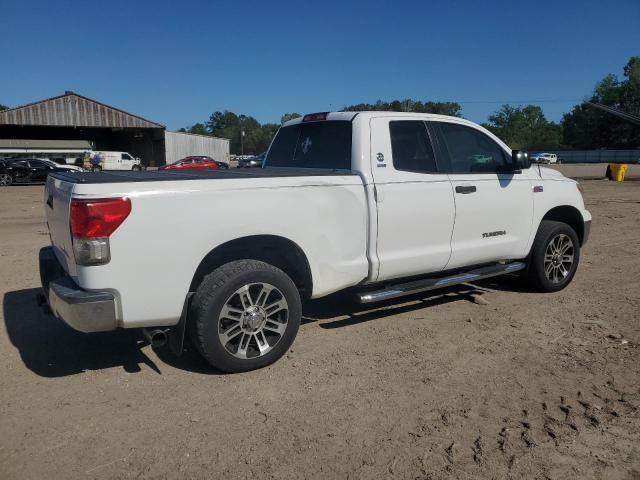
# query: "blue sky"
177,62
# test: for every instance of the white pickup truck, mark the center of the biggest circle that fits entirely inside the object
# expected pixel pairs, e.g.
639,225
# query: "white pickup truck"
389,204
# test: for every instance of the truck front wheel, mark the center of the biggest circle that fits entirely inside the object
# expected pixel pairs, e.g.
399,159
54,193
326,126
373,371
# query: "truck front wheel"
554,257
246,315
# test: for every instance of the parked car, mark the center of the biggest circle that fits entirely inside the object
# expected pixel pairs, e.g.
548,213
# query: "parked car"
28,170
545,158
206,157
252,162
192,163
361,202
97,161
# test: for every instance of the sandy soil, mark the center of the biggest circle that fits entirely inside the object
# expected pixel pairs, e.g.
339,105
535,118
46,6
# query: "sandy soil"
517,385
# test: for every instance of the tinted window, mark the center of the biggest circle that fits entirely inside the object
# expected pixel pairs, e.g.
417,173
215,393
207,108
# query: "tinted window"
411,147
471,151
312,145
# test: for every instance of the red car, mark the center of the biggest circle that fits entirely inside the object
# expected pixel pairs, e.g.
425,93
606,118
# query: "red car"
192,163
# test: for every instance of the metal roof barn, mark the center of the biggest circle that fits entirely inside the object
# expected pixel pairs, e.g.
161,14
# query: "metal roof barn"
72,117
73,110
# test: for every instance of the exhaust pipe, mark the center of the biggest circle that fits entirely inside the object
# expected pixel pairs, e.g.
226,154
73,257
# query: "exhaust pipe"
155,336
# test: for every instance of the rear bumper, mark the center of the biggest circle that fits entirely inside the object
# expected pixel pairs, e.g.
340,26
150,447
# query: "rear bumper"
86,311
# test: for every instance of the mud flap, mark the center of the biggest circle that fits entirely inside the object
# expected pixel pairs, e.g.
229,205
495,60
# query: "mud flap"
176,334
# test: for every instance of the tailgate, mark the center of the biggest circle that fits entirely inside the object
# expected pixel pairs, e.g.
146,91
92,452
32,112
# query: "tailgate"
57,196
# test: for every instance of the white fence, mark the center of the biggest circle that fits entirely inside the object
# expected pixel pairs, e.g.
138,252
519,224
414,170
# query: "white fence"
179,145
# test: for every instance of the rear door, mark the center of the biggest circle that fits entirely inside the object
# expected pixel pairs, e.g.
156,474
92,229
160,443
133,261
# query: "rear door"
493,203
39,170
414,199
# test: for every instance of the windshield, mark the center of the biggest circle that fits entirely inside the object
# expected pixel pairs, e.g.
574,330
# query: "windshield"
312,145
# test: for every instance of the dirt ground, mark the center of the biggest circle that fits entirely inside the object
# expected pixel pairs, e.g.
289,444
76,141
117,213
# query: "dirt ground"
517,385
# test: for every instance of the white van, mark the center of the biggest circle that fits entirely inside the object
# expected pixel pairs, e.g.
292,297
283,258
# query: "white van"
548,158
96,161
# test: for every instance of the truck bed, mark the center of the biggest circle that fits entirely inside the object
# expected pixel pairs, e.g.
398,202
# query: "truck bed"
160,176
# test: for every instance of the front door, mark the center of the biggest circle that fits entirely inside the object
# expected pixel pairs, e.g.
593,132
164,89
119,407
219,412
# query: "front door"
414,200
493,202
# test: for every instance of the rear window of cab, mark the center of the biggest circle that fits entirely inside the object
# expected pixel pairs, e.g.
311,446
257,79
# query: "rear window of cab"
325,145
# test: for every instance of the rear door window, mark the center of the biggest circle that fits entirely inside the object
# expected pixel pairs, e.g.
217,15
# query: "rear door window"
37,164
411,147
324,145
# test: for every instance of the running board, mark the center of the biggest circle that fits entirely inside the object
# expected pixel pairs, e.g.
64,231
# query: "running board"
424,285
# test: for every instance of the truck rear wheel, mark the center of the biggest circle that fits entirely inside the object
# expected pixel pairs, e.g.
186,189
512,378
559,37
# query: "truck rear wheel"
246,315
554,257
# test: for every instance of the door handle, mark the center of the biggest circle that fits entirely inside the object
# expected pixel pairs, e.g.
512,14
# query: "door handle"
465,188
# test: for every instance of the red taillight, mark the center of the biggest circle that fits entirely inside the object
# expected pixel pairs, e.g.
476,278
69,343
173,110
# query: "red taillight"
315,117
98,217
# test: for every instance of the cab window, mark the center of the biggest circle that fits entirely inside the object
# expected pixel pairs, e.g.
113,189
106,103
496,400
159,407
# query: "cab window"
471,151
322,145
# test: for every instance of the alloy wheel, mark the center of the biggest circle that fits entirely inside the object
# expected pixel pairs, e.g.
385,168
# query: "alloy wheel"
558,258
5,179
253,320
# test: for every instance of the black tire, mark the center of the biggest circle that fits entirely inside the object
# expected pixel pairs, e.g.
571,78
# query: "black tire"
217,290
136,168
537,273
5,179
96,168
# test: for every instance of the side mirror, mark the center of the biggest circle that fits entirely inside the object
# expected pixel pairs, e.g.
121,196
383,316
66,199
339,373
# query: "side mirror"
520,159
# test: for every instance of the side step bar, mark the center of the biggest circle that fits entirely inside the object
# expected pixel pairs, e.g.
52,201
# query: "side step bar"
424,285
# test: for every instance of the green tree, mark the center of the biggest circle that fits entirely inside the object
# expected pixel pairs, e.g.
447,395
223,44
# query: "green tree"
589,127
408,105
524,127
199,129
229,125
289,116
3,107
196,128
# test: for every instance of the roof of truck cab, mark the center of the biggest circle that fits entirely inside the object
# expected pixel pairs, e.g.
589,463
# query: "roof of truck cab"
433,117
348,116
